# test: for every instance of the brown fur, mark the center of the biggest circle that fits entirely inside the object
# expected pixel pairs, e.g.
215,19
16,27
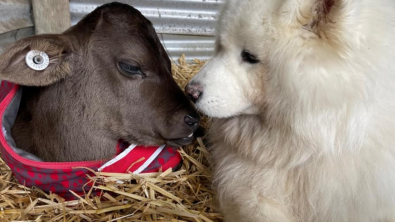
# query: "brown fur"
81,104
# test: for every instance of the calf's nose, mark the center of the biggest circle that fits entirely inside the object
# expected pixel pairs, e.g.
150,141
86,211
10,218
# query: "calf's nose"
192,122
194,90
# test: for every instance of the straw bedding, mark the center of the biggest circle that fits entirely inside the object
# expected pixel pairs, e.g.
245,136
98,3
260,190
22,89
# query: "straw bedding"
184,195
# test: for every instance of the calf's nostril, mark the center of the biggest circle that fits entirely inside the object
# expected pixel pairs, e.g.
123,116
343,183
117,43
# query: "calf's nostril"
191,121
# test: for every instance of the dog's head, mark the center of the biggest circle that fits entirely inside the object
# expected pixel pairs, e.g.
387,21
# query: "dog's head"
271,52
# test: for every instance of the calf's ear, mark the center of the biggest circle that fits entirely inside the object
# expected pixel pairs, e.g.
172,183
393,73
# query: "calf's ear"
14,67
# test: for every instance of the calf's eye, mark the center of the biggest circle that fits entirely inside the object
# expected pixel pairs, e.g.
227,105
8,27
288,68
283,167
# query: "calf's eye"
130,70
248,57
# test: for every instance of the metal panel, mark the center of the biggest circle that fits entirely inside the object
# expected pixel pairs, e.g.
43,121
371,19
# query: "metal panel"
194,47
6,39
14,14
15,21
193,17
184,26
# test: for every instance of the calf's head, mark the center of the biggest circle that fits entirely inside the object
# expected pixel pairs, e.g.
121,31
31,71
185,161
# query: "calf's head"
108,78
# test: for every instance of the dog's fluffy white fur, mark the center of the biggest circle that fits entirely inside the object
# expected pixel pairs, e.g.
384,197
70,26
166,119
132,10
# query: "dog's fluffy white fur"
307,134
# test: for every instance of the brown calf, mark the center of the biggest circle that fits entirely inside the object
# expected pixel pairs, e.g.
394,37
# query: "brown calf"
108,78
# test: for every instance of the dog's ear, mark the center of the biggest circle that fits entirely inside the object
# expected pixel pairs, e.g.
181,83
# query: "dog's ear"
14,64
320,14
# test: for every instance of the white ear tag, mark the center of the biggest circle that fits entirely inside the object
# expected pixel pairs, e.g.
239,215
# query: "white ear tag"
37,60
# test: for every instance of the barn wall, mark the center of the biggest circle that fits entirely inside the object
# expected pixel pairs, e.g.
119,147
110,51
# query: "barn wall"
184,26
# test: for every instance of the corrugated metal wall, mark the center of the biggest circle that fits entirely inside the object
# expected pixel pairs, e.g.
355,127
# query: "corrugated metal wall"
184,26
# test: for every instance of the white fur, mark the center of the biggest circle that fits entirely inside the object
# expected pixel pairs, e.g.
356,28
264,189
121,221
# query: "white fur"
307,134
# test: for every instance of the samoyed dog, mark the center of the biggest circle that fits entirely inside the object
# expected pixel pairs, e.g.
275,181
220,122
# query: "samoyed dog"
302,96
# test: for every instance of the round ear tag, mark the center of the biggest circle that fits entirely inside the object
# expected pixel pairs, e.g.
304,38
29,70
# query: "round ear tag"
37,60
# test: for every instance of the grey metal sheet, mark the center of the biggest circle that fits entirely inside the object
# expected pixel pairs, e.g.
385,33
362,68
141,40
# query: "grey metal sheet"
14,14
193,17
6,39
185,26
15,21
194,47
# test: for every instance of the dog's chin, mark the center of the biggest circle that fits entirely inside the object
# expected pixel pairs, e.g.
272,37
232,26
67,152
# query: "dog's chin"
227,112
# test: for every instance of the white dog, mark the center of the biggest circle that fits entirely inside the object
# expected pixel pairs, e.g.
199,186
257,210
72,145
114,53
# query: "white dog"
303,98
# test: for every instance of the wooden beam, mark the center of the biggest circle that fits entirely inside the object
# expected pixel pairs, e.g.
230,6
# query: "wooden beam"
51,16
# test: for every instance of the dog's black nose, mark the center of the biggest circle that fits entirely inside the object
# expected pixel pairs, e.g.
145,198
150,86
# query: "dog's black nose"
194,91
192,122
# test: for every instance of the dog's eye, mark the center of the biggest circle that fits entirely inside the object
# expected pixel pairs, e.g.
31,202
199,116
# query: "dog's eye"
130,70
248,57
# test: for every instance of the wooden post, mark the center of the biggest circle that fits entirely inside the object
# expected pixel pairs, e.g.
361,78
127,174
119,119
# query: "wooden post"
51,16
